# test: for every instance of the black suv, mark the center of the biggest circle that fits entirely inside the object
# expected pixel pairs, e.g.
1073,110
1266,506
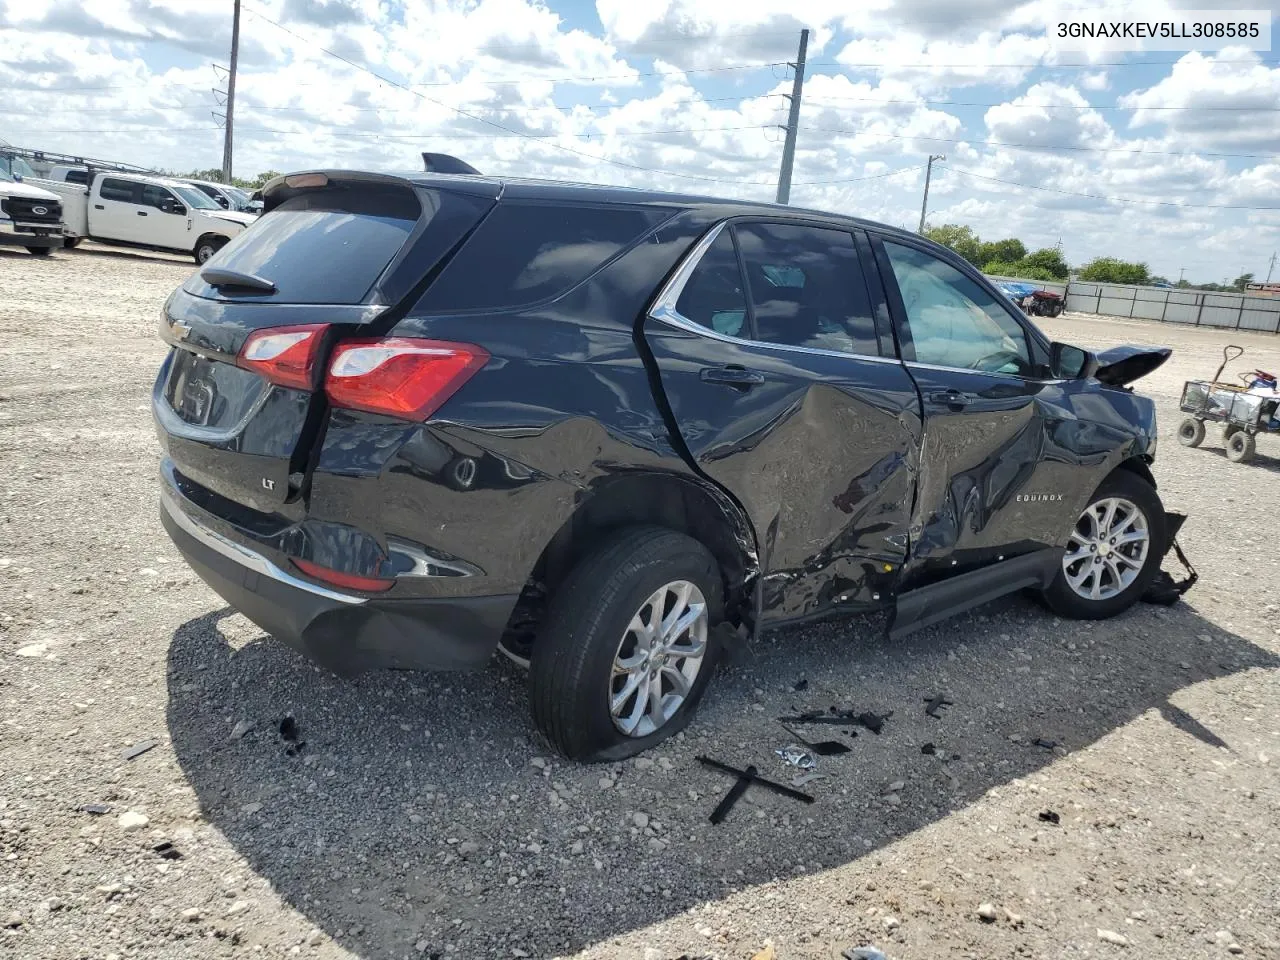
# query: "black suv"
409,419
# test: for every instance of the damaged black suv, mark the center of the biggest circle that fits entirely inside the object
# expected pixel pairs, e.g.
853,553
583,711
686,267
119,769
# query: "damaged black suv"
408,420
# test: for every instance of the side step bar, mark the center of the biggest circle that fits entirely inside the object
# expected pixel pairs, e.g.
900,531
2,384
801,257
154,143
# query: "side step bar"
925,606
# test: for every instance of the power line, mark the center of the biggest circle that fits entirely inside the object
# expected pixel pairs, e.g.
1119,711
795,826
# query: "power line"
1029,106
1032,66
1045,146
1092,196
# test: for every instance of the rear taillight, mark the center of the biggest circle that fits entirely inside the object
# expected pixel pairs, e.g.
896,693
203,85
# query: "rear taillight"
400,377
285,355
348,581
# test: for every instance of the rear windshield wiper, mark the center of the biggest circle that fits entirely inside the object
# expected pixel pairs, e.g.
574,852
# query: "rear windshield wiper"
219,277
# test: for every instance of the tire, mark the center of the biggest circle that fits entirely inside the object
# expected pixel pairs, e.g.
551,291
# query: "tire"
206,247
1229,430
586,629
1241,447
1101,594
39,251
70,243
1191,432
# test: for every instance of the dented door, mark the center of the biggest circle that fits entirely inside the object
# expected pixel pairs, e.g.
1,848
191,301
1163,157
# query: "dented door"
818,443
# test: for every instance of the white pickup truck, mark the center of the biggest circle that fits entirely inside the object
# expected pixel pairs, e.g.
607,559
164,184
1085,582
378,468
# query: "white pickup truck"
149,212
29,216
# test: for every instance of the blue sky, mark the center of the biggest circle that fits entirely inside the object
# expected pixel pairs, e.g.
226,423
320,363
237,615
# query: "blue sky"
686,95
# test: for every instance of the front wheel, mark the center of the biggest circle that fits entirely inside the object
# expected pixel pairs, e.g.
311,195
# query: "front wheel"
1113,552
627,646
70,243
39,251
1191,432
206,247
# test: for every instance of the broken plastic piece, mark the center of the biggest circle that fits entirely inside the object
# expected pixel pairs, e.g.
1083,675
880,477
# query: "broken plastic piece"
1050,816
874,721
138,749
168,851
863,953
800,779
1046,744
745,779
97,809
936,703
797,756
928,749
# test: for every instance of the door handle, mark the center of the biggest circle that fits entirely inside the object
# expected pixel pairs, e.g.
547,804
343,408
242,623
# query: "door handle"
949,398
98,206
142,213
732,375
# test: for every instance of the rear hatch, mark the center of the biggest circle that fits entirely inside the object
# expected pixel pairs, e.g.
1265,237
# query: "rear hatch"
238,402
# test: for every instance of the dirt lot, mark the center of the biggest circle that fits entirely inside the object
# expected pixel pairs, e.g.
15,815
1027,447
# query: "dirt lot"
423,819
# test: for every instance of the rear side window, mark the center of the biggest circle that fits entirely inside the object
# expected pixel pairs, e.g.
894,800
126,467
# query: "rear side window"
807,288
526,252
121,190
77,176
325,246
714,297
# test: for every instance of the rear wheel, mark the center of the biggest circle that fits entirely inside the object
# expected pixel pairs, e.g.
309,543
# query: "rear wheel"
1114,550
1191,432
39,251
627,647
1241,447
1229,430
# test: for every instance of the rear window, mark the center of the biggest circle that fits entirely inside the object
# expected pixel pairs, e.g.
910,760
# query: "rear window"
526,252
326,246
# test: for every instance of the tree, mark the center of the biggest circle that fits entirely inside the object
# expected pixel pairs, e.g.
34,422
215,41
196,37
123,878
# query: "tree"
261,179
1111,270
960,239
1050,260
1020,269
1241,282
1006,251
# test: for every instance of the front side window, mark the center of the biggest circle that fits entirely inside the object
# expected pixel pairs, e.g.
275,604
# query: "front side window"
713,295
153,196
195,199
807,288
953,321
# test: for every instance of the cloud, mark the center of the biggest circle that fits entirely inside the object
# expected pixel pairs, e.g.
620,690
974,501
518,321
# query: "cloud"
322,13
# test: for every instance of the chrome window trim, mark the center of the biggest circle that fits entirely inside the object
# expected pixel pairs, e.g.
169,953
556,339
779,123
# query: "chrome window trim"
664,309
243,555
919,365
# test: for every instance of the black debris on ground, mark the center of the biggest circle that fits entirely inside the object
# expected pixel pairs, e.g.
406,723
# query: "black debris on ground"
167,851
928,749
1046,744
874,721
936,703
1050,816
289,731
801,685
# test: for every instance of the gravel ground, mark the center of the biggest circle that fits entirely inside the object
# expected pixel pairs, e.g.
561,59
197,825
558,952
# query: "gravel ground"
422,818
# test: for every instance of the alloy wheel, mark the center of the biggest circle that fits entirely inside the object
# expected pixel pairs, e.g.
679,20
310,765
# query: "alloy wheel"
1107,550
658,659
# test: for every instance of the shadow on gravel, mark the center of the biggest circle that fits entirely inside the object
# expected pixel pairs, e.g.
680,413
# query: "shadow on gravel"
413,817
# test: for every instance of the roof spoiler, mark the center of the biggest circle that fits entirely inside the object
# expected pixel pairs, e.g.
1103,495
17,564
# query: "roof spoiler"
443,163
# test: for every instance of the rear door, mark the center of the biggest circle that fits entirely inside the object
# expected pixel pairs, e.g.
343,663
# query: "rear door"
237,400
114,210
770,351
991,477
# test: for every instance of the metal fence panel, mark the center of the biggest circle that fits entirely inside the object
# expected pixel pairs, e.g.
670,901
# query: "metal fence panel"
1212,316
1149,309
1268,320
1115,306
1181,312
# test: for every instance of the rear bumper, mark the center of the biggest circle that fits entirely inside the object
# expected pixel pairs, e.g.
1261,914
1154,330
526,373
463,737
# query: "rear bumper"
346,633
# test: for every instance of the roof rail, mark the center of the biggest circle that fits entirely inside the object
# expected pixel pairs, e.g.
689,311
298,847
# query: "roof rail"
71,160
444,163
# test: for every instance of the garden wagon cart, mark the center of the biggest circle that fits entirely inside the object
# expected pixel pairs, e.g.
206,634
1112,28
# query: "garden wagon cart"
1245,410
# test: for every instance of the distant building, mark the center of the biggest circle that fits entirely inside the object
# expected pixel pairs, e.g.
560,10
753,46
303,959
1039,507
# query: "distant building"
1271,289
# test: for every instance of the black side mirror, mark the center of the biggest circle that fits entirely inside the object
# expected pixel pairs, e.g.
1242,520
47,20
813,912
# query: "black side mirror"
1071,363
222,201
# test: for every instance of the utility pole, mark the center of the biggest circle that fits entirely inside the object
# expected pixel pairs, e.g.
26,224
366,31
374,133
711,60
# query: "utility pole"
228,136
1271,267
928,174
793,122
1181,273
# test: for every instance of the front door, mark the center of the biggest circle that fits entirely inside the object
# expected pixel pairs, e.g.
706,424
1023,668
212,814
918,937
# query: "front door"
993,481
770,359
116,208
168,221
